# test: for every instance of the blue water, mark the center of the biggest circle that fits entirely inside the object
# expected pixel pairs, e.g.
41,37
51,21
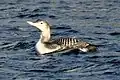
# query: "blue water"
95,21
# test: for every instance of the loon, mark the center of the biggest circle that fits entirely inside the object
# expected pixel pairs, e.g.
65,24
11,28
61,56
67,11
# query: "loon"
46,45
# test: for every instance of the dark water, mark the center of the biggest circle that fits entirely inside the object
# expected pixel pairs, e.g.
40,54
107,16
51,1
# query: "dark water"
95,21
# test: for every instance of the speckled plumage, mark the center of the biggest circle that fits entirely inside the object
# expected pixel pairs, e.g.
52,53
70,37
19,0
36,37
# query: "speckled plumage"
69,43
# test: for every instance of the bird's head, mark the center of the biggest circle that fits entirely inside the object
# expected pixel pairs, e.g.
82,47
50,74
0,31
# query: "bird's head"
41,25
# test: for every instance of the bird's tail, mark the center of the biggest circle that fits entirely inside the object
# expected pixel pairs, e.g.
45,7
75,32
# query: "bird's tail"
86,47
91,48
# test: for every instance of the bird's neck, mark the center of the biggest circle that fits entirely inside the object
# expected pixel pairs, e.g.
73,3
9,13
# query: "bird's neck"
45,36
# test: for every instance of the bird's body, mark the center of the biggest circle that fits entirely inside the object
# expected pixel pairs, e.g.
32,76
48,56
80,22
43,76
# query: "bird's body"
46,45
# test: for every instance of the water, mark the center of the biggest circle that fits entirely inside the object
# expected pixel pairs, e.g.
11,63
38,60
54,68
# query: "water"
95,21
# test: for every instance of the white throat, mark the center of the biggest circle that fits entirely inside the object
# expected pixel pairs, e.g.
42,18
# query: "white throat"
45,36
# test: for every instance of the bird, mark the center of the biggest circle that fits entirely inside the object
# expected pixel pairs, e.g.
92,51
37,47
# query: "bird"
46,45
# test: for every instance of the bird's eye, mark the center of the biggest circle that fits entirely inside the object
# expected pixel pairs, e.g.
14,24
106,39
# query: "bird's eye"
41,23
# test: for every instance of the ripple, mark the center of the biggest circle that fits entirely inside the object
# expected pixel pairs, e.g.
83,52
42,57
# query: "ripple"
35,15
44,2
73,31
108,73
22,15
39,70
14,28
52,16
7,46
62,26
24,45
99,33
36,10
114,33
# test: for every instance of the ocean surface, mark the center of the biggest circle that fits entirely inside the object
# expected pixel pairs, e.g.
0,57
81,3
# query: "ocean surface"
94,21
